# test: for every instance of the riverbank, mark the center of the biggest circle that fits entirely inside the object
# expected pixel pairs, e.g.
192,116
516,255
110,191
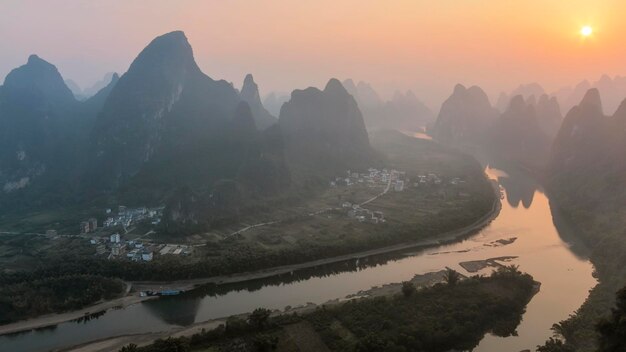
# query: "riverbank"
116,343
186,285
54,319
392,291
437,240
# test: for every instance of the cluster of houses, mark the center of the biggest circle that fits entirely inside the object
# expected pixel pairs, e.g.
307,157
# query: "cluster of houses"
126,217
428,179
88,226
363,215
373,177
135,250
392,180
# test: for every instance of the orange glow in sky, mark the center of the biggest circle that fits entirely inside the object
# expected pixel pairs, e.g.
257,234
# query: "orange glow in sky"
427,46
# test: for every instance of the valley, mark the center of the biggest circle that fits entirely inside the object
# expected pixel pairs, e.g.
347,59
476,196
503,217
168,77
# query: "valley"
553,257
301,177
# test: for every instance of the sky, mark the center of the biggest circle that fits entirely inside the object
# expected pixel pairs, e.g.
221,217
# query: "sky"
426,46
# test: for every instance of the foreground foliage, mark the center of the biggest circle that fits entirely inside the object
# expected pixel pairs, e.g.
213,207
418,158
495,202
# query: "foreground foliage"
27,298
438,318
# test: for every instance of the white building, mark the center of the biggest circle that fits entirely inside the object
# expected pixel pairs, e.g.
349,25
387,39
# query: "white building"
115,238
146,256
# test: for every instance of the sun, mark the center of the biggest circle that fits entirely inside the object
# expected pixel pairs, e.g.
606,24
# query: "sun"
586,31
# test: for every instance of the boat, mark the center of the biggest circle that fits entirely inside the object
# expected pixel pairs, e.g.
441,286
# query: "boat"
160,293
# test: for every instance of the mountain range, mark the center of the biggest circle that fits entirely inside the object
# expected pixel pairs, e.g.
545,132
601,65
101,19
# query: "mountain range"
274,101
403,112
517,134
522,132
164,132
612,90
43,131
250,94
83,94
585,178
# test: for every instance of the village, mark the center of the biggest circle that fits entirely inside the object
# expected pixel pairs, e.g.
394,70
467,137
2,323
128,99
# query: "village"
389,179
115,239
119,237
114,247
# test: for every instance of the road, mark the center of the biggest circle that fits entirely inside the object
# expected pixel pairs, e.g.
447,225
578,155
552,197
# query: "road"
310,214
378,195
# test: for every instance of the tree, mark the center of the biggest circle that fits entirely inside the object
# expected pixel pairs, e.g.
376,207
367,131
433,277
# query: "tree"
408,288
265,343
554,345
130,348
451,277
171,345
235,325
371,343
613,329
259,317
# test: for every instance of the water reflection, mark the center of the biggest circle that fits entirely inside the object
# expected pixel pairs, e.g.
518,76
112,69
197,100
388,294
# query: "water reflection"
421,134
518,185
552,257
179,311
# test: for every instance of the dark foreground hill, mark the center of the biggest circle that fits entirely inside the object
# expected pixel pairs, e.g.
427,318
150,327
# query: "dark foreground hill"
587,174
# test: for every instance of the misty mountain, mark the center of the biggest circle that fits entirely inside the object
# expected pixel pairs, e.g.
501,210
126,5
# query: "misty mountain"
274,101
166,132
162,108
250,94
257,172
583,137
549,115
99,85
586,181
365,95
75,88
324,132
525,90
403,112
465,117
166,126
571,96
93,105
38,119
406,112
517,134
612,91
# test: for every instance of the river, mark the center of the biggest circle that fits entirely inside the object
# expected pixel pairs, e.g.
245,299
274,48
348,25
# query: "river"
544,247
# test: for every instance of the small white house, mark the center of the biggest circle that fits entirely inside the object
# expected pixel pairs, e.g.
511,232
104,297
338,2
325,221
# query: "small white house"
146,256
115,238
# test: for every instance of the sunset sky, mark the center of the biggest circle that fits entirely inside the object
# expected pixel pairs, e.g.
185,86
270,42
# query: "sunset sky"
427,46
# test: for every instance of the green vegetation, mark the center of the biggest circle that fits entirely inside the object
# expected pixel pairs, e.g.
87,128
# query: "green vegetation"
28,298
414,214
596,205
438,318
613,329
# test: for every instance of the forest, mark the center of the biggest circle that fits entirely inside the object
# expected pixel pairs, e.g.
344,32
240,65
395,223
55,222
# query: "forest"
21,299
